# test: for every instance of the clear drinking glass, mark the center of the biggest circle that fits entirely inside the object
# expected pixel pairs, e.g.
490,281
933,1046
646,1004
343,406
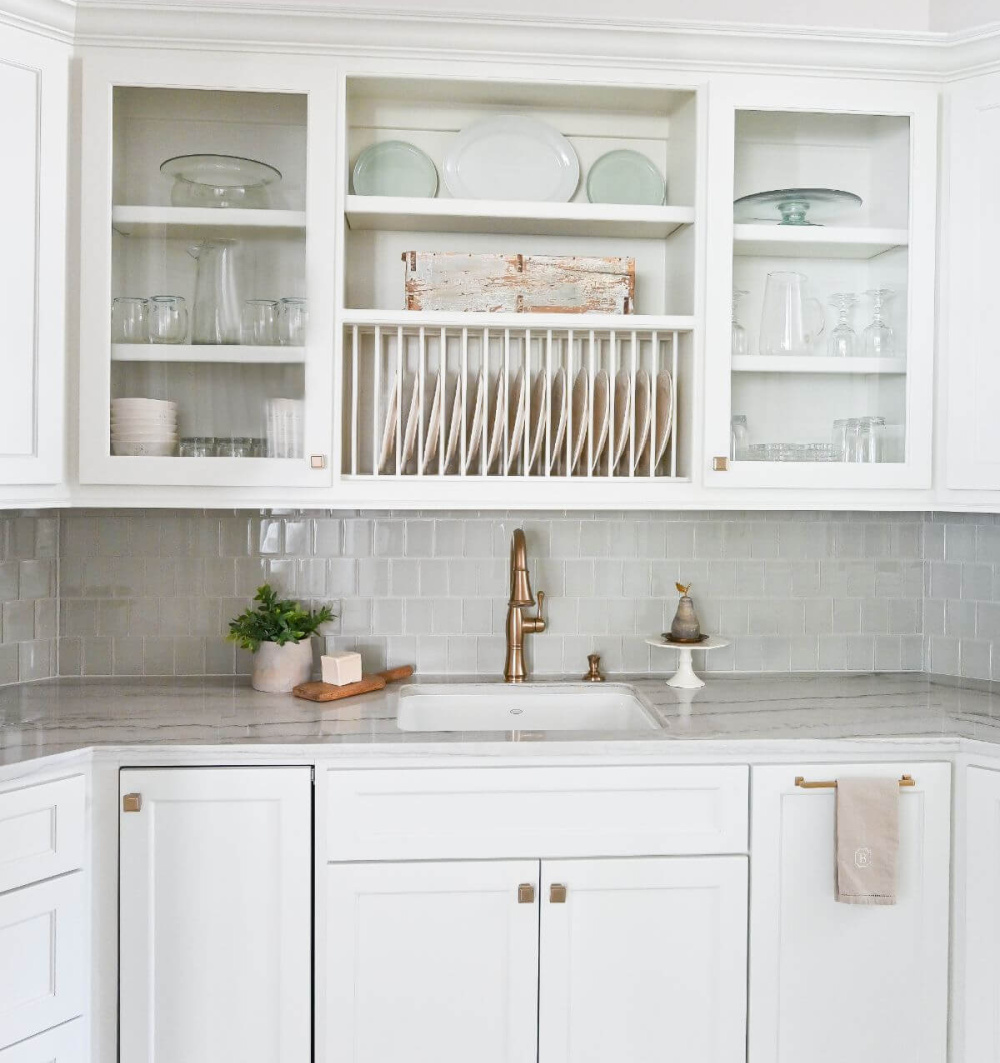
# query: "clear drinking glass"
260,322
852,439
283,418
870,434
236,447
843,341
740,346
739,437
197,447
784,329
293,317
129,320
168,319
878,335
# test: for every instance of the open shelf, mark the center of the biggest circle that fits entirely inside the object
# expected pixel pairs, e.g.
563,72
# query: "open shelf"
583,322
391,213
235,354
815,241
184,222
758,363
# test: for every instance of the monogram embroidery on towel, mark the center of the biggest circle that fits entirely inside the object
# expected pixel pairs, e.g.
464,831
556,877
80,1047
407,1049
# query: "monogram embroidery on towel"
862,857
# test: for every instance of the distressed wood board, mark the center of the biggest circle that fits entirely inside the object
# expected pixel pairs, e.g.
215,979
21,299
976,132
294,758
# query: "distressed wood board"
531,284
330,692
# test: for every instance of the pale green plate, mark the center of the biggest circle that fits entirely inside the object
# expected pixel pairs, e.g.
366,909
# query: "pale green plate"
395,168
625,176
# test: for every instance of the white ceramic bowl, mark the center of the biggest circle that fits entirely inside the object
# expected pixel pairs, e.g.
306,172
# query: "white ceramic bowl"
144,437
143,408
143,450
139,425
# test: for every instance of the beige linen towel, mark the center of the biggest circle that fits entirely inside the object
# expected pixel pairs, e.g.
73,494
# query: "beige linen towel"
867,840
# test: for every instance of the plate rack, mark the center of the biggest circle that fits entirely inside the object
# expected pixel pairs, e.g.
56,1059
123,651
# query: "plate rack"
518,399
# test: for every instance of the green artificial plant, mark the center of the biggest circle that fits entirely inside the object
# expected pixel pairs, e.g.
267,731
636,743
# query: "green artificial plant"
275,620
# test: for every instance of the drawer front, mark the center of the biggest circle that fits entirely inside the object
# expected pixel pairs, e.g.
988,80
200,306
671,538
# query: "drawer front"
386,814
64,1044
42,960
41,831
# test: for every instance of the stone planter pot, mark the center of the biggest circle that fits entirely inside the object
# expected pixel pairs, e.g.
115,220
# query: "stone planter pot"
276,669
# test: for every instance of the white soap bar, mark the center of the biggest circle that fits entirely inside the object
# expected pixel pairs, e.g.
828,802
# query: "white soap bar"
341,668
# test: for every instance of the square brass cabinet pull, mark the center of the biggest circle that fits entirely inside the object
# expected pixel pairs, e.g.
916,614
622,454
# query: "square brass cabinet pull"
526,893
557,893
132,803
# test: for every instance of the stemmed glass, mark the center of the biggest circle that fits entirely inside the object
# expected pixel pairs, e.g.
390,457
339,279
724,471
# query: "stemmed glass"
739,332
878,335
843,339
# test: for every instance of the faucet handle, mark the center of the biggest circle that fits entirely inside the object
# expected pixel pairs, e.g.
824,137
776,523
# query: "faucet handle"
540,595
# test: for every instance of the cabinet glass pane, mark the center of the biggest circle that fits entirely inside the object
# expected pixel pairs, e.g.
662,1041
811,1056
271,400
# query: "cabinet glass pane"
208,273
820,287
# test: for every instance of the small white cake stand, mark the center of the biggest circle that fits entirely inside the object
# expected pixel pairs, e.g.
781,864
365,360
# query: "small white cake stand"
684,677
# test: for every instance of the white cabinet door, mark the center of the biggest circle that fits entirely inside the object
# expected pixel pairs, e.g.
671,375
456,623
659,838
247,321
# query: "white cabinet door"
34,95
970,364
643,960
831,981
432,963
980,928
43,941
64,1044
216,927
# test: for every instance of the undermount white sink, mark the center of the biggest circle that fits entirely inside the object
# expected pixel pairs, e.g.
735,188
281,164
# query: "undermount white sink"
528,707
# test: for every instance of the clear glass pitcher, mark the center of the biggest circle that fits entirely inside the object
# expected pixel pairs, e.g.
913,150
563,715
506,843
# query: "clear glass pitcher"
217,304
783,325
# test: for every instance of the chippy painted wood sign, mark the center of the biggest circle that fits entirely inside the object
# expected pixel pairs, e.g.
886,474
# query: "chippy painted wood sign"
531,284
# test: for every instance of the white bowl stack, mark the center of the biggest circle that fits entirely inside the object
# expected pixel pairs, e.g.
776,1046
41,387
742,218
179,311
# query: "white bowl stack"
143,427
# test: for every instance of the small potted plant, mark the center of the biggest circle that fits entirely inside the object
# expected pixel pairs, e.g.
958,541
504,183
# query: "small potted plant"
278,633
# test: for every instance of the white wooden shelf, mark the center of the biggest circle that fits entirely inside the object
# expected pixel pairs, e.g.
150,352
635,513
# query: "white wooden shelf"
184,222
815,241
751,363
623,323
391,213
236,354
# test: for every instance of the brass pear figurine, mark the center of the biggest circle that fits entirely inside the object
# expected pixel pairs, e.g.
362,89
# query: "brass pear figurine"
685,626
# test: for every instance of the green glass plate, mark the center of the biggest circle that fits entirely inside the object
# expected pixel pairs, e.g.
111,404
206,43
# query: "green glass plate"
625,176
395,168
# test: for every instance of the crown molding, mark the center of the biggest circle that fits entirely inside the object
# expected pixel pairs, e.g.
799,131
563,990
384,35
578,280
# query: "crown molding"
55,19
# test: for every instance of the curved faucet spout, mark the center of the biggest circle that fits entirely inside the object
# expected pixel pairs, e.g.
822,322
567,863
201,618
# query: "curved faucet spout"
520,582
519,625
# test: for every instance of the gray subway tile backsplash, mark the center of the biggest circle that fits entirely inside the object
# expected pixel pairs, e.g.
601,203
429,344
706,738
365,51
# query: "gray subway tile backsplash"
143,593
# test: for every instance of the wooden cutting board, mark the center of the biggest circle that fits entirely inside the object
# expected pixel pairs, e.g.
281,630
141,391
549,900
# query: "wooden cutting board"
329,692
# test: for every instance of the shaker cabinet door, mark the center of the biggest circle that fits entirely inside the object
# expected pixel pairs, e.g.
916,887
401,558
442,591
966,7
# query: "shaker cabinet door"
216,925
34,94
432,962
643,960
832,981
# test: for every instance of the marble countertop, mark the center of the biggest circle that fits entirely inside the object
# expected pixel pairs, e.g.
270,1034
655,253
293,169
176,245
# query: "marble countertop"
732,714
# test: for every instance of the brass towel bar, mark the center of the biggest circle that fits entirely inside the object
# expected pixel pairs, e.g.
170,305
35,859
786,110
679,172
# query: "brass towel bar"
906,780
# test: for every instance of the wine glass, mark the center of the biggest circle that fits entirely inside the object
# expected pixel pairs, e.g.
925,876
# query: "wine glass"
739,332
878,335
843,339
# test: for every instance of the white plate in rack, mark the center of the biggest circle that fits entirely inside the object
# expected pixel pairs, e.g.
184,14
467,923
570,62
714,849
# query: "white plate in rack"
512,156
581,417
515,418
601,416
412,420
538,411
389,427
623,414
476,425
643,397
497,405
454,427
558,409
664,414
433,431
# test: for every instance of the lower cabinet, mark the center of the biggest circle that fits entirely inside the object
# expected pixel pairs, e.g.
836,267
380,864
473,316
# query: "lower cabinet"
215,943
831,982
563,961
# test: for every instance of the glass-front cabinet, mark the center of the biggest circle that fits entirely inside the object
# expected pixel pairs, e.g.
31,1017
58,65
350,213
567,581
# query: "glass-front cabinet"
821,258
207,336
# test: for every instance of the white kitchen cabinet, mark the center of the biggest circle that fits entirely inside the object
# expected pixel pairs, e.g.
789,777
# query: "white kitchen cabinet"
432,962
969,368
65,1044
979,928
643,960
141,241
447,961
215,915
831,981
879,142
34,93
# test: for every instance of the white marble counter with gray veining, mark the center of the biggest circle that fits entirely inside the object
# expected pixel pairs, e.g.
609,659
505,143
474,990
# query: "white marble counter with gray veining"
734,715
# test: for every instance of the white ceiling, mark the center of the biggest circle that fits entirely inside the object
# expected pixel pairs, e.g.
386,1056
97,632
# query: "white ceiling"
903,16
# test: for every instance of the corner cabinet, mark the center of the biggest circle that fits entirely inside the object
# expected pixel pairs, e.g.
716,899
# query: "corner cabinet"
34,87
820,329
167,279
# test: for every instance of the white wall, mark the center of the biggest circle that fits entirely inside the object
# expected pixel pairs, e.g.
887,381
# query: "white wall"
952,15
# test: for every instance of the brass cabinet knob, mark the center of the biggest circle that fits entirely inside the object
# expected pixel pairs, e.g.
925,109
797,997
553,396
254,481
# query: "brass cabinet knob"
526,893
132,803
557,893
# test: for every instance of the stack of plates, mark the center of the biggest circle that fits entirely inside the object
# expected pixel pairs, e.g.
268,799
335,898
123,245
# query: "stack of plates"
143,427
